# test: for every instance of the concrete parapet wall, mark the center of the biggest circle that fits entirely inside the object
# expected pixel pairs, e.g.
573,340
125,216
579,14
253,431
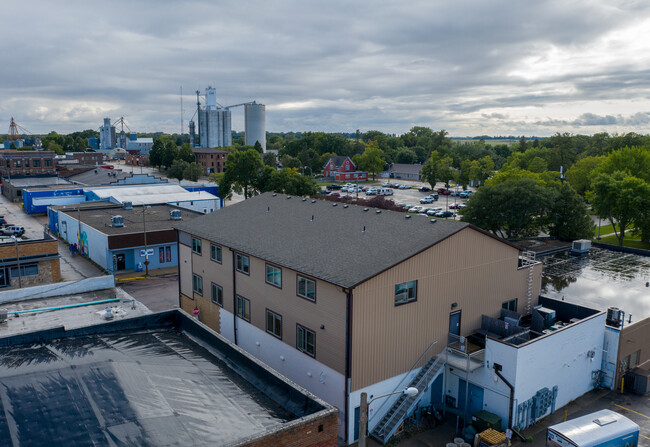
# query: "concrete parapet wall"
56,289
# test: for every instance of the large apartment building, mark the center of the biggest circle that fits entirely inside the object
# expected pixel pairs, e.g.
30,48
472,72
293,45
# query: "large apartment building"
344,299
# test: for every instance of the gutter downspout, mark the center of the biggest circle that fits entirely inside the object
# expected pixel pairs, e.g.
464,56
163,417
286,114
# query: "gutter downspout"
497,371
234,297
348,361
178,257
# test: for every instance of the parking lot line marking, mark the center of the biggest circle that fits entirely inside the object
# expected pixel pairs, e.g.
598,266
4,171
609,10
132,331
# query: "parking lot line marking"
636,412
644,436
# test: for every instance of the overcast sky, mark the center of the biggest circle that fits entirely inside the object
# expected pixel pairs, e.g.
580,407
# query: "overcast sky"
471,67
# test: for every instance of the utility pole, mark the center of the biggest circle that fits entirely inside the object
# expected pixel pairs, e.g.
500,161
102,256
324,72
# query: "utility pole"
146,255
20,276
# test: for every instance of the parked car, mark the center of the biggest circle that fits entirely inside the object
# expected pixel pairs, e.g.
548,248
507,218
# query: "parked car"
403,186
13,230
433,196
372,191
424,189
385,192
454,206
415,209
3,222
333,187
334,194
433,211
465,194
427,200
443,191
446,213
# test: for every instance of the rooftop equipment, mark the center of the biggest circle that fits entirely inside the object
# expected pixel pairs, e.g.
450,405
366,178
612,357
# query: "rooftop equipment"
117,221
581,246
615,317
547,314
175,215
127,205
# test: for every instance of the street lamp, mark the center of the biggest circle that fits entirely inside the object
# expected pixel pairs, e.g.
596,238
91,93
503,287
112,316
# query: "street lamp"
363,419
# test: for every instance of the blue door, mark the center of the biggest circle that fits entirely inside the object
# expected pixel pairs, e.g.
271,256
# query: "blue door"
454,323
357,417
474,400
436,390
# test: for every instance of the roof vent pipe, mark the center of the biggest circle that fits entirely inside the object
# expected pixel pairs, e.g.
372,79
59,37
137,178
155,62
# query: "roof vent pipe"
364,229
408,216
312,217
378,211
345,206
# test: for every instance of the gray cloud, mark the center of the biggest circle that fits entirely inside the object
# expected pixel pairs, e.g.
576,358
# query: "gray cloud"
344,65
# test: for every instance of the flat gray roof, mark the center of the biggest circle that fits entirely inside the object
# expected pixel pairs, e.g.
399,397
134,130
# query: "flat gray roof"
154,380
98,216
340,244
99,176
601,279
37,181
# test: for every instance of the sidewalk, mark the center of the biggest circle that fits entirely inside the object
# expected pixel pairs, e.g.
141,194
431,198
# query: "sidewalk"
131,276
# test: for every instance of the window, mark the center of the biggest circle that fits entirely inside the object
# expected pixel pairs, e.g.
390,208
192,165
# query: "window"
37,163
216,294
243,308
273,275
25,270
306,340
27,163
510,305
274,324
306,288
626,363
196,245
406,292
197,284
242,264
48,163
635,358
215,253
18,163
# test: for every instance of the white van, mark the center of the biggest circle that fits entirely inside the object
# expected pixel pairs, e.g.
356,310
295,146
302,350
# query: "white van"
385,192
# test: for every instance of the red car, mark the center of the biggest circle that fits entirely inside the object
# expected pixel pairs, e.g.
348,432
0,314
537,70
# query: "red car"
443,191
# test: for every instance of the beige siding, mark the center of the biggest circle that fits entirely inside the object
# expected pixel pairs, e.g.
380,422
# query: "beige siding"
327,311
635,337
185,269
477,272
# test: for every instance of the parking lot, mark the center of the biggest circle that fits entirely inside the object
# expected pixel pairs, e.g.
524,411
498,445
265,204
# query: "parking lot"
14,215
412,196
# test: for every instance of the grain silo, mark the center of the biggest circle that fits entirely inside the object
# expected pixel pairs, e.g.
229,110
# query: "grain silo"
255,124
214,122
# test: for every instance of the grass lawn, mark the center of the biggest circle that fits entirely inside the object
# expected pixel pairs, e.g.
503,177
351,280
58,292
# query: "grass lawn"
627,242
604,229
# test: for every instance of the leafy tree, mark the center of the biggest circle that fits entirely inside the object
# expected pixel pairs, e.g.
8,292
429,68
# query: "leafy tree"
512,208
170,151
619,198
568,216
156,152
406,156
185,153
258,147
177,169
56,148
634,161
580,174
215,177
242,170
481,170
269,159
371,160
193,171
290,162
537,164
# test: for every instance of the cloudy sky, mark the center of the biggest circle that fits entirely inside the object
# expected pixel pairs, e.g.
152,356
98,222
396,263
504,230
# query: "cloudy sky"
472,67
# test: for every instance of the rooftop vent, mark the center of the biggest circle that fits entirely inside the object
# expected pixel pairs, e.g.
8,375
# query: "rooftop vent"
615,316
365,209
345,206
3,315
581,246
127,205
303,199
117,221
433,221
364,229
378,211
408,216
274,194
334,204
95,171
313,200
175,215
288,197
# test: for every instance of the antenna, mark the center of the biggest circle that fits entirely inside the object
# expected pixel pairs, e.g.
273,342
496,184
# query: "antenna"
181,112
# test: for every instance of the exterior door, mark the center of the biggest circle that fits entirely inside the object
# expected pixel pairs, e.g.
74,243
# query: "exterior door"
474,400
120,261
454,323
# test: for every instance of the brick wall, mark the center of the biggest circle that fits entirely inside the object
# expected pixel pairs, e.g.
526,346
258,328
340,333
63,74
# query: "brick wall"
319,432
29,248
48,271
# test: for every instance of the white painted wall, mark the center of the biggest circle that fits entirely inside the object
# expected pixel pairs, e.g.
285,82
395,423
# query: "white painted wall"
62,288
208,206
307,372
97,242
610,354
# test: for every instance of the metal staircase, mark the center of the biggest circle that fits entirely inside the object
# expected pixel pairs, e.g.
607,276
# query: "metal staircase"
391,421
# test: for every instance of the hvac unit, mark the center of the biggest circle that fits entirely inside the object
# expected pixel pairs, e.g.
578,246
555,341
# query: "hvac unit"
175,215
3,315
548,315
117,221
127,205
581,246
638,380
615,316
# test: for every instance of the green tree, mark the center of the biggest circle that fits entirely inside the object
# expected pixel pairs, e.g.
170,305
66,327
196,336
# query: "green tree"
512,208
170,151
56,148
270,159
634,161
242,171
177,169
568,216
371,160
156,152
580,174
290,162
258,147
406,156
193,171
186,153
619,198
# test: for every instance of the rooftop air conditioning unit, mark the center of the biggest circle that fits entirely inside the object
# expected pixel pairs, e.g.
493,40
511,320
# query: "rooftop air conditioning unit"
548,315
175,215
117,221
127,205
614,316
581,246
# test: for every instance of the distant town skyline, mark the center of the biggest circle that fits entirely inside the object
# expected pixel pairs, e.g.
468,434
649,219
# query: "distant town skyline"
471,68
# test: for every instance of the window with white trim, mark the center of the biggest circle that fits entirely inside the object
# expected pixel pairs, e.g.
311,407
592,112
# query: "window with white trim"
196,245
197,284
306,288
274,324
243,308
216,294
215,253
406,292
273,275
242,264
305,340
